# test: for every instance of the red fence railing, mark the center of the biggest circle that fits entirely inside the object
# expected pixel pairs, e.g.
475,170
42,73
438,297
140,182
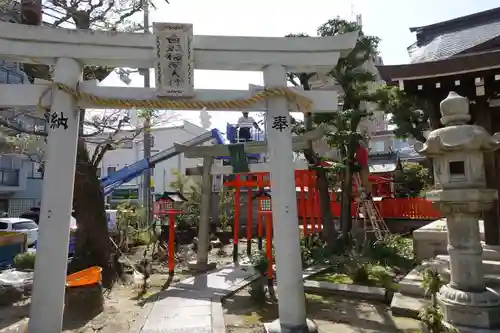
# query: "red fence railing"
395,208
408,208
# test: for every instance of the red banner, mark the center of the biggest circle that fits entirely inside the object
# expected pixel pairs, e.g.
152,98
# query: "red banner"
361,156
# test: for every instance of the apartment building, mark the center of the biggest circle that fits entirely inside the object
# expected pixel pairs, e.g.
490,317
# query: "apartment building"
131,151
21,175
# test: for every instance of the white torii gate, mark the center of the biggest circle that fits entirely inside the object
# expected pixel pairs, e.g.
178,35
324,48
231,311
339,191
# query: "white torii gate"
70,50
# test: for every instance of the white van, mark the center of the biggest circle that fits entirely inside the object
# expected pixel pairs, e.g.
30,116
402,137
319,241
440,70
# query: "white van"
17,224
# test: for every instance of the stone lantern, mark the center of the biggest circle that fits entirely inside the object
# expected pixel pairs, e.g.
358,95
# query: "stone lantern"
461,195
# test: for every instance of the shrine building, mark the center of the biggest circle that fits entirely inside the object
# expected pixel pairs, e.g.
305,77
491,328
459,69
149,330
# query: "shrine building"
461,55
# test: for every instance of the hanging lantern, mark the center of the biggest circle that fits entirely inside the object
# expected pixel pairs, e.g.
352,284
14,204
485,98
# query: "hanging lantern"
264,200
169,202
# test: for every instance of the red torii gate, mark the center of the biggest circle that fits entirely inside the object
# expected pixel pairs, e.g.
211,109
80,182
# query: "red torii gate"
308,206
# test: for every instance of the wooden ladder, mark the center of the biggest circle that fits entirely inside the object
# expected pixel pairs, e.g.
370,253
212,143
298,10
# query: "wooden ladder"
368,211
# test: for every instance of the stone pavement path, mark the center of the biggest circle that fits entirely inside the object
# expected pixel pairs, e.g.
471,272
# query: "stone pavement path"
194,305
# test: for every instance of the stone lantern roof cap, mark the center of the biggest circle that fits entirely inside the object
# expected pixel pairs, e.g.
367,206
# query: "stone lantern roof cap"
457,135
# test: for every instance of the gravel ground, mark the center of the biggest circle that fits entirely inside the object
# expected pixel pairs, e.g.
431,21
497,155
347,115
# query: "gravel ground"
242,314
122,304
331,314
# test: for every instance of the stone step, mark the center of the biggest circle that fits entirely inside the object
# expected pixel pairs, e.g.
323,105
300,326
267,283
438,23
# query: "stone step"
491,252
411,285
492,280
410,307
407,306
489,266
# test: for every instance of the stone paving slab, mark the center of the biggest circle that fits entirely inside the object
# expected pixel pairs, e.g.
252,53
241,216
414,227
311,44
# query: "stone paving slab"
192,305
220,282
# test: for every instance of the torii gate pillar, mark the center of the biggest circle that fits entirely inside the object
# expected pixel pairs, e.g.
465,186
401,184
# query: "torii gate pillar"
292,302
47,303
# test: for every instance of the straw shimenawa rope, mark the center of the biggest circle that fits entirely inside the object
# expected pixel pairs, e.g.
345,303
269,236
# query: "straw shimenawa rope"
302,103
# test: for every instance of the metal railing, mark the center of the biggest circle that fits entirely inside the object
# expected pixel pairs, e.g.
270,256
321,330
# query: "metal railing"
255,135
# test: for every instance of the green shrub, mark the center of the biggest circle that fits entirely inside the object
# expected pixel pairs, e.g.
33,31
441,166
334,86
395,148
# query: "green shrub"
24,261
260,262
361,275
143,238
313,250
392,251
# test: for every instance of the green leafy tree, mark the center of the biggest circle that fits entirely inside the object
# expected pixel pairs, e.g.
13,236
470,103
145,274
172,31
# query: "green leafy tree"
353,80
226,208
192,208
409,114
179,182
414,179
313,159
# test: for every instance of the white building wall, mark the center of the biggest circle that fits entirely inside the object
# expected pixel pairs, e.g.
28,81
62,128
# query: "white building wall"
164,138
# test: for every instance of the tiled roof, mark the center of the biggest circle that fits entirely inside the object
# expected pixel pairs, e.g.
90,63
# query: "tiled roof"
383,162
452,43
446,39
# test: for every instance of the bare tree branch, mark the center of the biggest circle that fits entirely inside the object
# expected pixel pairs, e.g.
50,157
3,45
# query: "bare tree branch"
104,129
98,14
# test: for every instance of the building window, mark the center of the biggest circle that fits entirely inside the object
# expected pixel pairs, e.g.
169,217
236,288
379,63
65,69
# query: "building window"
402,145
35,170
9,177
127,144
376,146
111,170
98,172
125,194
39,125
6,161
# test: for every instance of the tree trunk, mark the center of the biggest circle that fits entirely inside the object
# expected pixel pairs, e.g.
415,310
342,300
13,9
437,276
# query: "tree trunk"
328,233
92,236
326,211
345,204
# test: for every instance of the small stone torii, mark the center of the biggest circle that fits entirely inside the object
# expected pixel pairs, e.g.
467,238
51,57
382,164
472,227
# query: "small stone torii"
174,53
208,169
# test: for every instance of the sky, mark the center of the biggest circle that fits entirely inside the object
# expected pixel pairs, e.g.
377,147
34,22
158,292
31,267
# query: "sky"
389,20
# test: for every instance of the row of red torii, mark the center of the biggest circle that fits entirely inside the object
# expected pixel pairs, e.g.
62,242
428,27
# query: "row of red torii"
307,203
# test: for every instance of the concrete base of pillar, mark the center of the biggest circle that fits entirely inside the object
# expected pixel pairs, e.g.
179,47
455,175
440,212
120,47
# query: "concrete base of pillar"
480,310
201,267
275,327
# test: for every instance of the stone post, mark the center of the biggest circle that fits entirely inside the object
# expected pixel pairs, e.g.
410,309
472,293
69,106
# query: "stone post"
292,303
461,195
57,201
202,263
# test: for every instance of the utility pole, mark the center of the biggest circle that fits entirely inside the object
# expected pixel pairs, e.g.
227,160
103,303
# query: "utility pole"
146,182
